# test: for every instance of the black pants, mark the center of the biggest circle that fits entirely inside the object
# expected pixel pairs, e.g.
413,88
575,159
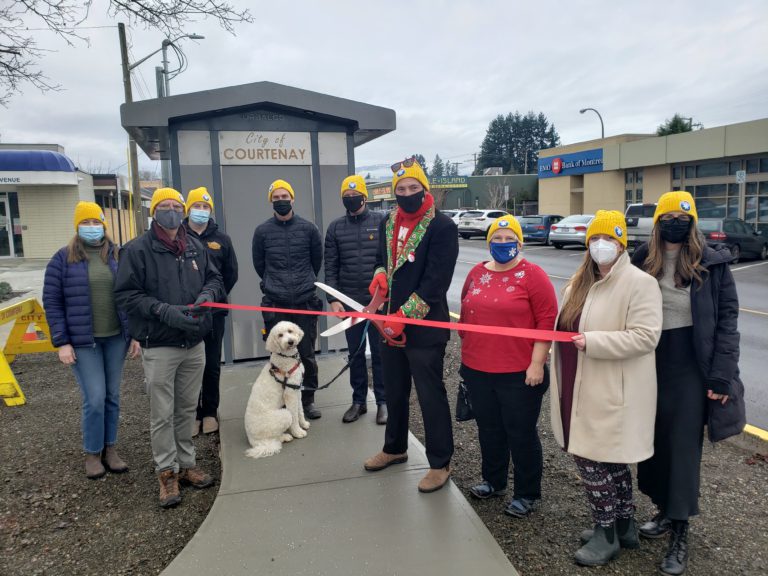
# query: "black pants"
506,411
208,404
358,367
308,324
425,367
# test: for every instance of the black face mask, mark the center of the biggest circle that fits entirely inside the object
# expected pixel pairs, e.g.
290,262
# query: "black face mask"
412,203
353,203
282,207
169,219
675,230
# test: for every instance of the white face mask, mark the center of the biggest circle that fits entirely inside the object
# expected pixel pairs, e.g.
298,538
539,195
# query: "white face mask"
603,252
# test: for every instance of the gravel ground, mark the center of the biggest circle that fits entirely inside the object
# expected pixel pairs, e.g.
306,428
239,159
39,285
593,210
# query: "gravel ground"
728,538
53,520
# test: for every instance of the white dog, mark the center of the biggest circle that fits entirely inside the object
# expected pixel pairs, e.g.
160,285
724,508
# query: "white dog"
274,414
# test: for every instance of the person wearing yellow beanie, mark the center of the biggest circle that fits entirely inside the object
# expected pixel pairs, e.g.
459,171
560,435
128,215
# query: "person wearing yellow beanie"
679,201
282,197
199,195
89,211
162,194
409,168
611,223
354,183
509,222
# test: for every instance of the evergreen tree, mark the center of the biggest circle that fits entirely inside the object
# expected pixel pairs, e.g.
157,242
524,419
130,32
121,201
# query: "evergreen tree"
676,125
438,168
422,162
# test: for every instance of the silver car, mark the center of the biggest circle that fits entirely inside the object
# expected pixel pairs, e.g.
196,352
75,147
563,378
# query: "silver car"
570,230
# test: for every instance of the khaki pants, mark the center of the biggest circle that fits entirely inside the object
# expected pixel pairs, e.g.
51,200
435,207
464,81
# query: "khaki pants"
174,377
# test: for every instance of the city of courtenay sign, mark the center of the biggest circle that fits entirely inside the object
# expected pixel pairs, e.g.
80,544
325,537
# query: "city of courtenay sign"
264,148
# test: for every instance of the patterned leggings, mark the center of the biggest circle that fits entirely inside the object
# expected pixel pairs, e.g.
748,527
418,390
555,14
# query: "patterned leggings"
609,490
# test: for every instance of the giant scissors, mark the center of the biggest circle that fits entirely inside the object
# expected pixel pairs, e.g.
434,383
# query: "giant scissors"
372,308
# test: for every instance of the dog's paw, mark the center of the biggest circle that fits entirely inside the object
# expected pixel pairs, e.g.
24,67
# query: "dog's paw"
287,437
304,425
299,433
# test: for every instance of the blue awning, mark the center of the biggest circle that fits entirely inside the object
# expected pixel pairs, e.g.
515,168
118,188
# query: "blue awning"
34,161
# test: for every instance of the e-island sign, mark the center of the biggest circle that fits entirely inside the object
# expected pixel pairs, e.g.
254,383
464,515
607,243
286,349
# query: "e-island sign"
570,164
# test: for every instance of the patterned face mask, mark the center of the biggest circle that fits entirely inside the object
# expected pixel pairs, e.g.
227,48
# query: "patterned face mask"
503,252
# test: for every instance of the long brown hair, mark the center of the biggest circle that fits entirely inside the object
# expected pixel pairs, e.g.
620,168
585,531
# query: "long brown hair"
76,249
587,274
688,267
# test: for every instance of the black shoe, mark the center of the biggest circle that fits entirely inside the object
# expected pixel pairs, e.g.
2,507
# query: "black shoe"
676,560
485,490
354,412
381,414
655,528
626,530
519,507
311,413
601,549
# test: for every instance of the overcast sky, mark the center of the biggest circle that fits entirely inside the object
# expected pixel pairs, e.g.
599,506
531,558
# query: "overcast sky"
446,68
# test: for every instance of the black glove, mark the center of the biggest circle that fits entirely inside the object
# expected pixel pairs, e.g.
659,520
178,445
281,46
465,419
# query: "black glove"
177,316
197,307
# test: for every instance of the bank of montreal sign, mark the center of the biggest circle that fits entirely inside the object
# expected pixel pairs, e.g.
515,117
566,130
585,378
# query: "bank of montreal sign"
571,164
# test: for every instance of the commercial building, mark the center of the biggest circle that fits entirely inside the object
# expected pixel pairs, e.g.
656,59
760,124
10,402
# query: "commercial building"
725,168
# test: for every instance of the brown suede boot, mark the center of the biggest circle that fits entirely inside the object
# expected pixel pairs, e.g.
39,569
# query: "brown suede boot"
112,461
169,488
435,479
382,460
93,466
195,477
210,425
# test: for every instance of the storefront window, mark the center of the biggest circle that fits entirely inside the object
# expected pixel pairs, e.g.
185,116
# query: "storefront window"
690,171
753,166
709,190
763,165
676,172
710,170
733,207
734,167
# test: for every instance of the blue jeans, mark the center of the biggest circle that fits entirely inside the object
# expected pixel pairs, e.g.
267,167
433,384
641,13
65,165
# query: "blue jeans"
358,368
99,370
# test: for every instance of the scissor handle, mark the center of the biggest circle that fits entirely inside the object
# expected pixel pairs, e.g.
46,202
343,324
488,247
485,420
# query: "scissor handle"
372,308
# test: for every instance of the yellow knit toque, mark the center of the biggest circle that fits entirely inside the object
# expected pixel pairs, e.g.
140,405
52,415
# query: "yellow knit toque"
199,195
610,222
277,184
165,194
88,211
507,221
355,183
679,201
412,171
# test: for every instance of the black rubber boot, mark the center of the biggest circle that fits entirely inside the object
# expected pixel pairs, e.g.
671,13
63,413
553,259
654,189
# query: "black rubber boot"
626,530
601,549
676,560
655,528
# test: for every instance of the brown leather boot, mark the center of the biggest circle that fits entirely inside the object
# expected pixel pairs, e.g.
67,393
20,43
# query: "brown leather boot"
112,461
169,488
93,467
382,460
210,425
195,477
435,479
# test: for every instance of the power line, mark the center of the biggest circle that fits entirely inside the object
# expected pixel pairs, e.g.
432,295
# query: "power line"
67,28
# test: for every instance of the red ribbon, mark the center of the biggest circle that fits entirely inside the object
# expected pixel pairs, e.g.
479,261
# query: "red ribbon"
528,333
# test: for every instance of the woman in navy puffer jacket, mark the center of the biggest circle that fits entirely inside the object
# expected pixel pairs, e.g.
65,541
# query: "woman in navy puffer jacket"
90,333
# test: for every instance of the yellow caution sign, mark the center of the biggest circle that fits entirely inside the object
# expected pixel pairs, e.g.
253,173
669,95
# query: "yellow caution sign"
25,314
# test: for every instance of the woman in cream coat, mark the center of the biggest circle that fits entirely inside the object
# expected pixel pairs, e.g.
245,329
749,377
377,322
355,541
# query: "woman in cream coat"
603,393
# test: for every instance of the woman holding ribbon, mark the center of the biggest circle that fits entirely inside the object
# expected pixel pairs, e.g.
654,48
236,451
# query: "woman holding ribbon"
507,377
603,397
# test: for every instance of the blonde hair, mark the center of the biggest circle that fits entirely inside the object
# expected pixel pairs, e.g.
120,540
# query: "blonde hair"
688,267
580,283
76,250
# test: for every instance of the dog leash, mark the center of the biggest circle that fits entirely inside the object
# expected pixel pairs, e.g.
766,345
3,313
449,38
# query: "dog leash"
349,361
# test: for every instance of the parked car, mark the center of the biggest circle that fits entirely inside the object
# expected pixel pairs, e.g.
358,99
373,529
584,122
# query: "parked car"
741,238
455,215
639,224
477,222
570,230
536,228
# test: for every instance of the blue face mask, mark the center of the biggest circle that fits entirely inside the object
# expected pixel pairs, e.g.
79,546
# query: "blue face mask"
90,234
503,252
199,216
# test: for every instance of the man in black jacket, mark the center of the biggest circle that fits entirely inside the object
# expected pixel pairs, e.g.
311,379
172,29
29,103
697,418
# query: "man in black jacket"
418,248
163,278
201,225
287,255
351,243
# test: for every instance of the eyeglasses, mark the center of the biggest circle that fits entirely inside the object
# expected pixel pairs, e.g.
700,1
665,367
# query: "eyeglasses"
407,163
680,218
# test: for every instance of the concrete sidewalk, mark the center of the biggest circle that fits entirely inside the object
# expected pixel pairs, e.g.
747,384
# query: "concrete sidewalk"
314,510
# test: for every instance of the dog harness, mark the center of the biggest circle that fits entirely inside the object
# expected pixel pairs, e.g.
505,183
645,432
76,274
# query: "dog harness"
276,372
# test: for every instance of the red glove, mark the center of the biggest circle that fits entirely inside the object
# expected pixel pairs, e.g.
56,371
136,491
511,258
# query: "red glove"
379,282
394,329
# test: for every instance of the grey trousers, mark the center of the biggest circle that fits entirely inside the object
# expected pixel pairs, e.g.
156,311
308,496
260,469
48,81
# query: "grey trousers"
174,377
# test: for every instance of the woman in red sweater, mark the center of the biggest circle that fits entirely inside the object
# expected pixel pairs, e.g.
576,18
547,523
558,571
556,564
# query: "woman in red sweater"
507,377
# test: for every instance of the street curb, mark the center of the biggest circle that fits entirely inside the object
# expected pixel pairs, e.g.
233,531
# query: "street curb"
756,432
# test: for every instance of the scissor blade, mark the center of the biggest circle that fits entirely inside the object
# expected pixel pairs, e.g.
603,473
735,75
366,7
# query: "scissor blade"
341,326
341,297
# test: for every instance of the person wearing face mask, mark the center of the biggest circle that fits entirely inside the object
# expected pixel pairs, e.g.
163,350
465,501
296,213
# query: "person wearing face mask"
416,256
90,332
696,366
287,254
507,377
351,242
200,224
603,393
164,277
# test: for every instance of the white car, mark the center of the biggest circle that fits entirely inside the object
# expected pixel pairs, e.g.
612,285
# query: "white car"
477,222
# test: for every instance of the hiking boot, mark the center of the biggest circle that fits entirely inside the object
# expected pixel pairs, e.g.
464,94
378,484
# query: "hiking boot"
626,530
485,490
354,412
169,488
382,460
94,469
601,549
655,528
196,428
434,479
676,560
210,425
112,461
381,414
195,477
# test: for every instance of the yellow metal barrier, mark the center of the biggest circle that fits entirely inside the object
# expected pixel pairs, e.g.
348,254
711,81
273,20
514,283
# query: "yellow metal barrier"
24,313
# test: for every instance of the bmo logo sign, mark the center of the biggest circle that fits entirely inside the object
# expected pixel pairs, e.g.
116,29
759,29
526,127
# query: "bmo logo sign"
572,164
557,165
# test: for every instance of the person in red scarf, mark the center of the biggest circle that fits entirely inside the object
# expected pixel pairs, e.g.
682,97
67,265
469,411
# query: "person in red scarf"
418,248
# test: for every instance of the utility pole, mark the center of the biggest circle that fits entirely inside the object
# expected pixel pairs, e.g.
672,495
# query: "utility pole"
133,161
474,156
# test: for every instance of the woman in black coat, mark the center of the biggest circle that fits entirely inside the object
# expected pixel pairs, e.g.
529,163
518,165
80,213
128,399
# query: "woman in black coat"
696,365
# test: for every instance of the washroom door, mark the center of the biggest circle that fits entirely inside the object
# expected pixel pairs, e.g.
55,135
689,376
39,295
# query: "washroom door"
6,229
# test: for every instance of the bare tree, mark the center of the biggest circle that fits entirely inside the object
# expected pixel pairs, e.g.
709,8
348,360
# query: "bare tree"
439,194
21,56
497,197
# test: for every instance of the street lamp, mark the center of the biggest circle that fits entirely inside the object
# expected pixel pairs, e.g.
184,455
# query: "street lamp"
602,127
